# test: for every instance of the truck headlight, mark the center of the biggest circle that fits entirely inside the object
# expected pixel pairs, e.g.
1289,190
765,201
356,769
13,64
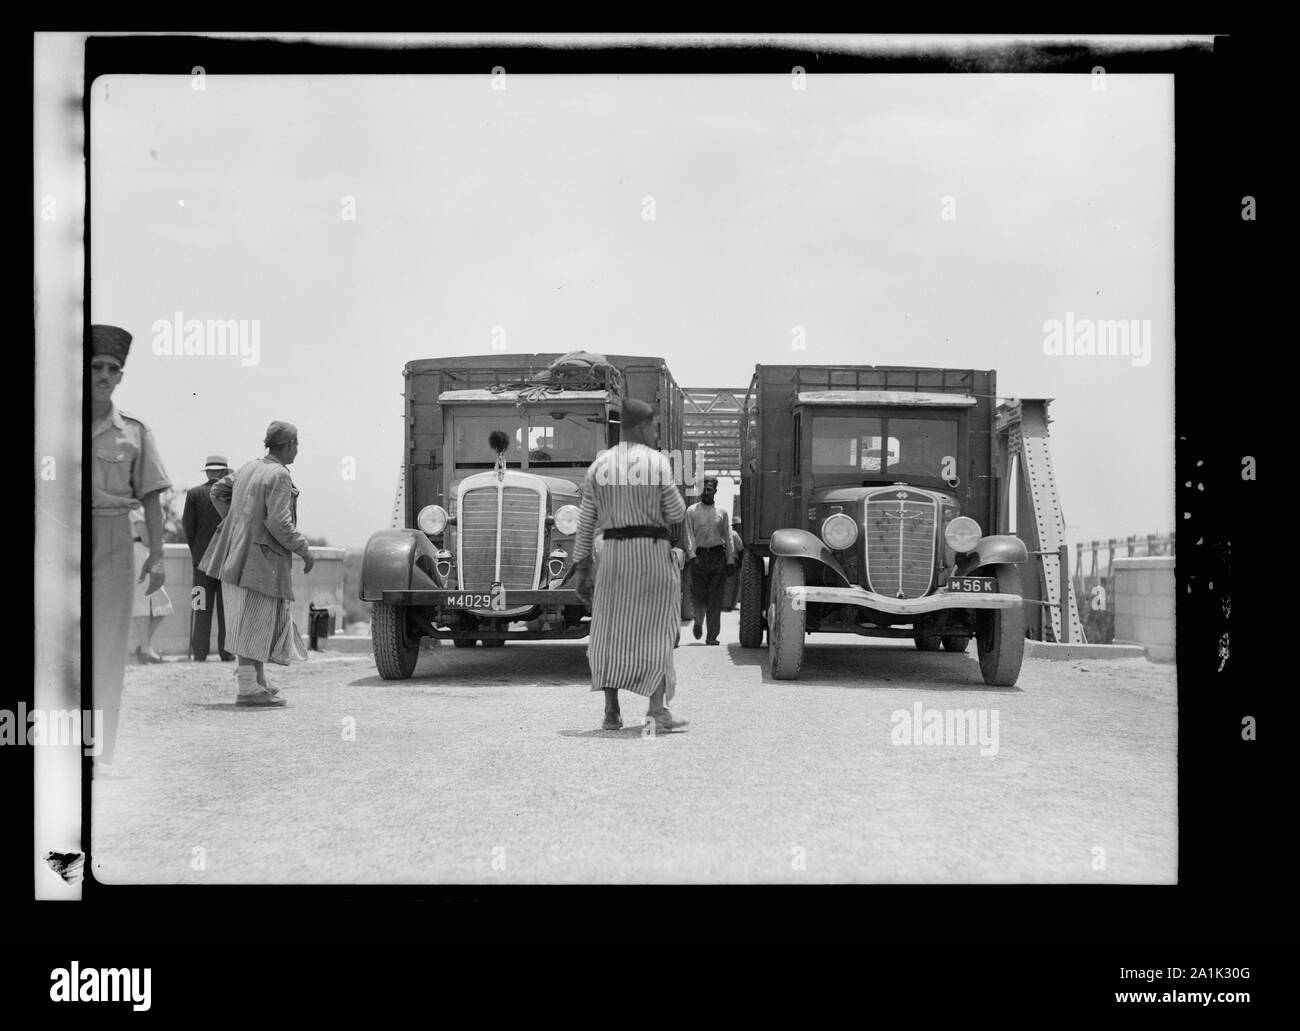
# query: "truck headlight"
566,519
962,534
432,519
839,531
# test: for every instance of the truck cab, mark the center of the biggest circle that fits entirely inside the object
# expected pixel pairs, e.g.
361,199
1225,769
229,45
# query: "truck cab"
497,449
536,484
872,494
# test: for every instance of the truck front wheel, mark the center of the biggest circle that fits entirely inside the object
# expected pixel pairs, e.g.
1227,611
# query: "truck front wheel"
1001,637
751,600
396,647
786,620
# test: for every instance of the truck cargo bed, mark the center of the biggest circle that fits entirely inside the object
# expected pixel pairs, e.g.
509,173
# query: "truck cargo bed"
644,378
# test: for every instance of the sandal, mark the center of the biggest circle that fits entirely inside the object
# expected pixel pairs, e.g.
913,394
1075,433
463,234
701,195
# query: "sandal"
264,698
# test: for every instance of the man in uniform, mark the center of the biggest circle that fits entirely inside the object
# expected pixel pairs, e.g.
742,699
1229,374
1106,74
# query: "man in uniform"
125,470
200,521
630,495
711,556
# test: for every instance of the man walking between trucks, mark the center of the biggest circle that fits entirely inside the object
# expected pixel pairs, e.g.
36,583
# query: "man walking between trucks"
635,597
711,555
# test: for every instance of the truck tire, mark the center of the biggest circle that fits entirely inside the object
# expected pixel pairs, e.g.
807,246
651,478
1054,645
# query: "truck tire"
464,642
955,642
751,600
1001,638
927,642
786,623
396,648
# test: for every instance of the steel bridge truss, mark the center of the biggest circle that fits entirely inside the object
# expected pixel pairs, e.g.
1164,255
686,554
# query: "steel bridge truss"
712,428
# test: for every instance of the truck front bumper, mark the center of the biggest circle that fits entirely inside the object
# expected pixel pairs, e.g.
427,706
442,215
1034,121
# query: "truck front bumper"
508,599
936,602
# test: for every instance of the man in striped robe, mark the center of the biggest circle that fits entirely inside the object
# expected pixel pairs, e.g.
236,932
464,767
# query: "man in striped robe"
629,494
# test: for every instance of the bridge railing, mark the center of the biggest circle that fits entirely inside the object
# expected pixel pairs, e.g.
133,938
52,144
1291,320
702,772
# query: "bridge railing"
1093,577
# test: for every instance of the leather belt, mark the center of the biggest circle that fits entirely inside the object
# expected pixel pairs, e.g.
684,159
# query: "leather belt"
623,533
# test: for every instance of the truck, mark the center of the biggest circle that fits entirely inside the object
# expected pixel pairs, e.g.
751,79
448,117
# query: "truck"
496,450
869,496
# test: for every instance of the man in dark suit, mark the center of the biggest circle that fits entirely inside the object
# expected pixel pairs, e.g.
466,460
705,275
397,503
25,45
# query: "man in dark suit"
200,521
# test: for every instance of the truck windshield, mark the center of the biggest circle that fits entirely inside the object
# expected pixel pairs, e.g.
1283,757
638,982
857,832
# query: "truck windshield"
472,432
563,438
543,437
852,446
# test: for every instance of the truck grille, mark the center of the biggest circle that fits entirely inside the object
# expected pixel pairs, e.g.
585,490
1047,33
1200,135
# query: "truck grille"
899,540
477,523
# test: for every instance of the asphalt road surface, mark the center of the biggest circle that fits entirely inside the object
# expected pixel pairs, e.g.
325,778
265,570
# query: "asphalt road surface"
488,766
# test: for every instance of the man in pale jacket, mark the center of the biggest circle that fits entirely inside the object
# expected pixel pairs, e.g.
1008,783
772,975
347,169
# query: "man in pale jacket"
252,556
710,555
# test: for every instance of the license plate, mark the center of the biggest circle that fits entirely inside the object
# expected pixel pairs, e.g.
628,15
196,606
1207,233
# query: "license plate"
973,585
468,601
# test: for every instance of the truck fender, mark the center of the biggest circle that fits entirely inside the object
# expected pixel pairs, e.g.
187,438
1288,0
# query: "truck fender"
805,545
1003,548
397,560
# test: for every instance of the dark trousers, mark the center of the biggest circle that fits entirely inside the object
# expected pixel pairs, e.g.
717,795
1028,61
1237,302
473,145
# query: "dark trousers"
708,579
201,628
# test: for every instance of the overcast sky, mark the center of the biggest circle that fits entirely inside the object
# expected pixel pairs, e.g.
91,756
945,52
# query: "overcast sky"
523,208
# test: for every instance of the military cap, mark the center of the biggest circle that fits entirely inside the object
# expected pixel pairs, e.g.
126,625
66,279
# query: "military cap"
110,341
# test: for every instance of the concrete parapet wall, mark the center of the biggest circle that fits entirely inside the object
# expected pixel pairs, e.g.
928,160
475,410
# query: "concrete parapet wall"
1143,593
323,588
